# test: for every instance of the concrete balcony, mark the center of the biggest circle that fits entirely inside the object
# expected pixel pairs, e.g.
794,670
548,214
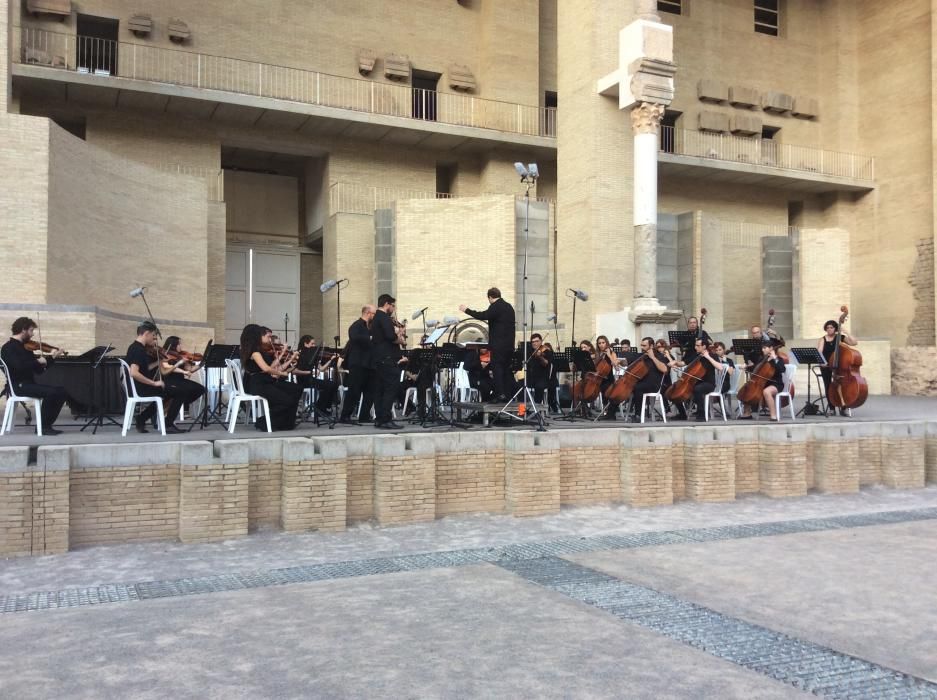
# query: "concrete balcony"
755,161
230,90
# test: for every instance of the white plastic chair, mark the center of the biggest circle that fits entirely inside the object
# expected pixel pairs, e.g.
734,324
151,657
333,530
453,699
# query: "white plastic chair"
12,400
655,397
134,399
716,394
735,381
240,396
788,383
463,387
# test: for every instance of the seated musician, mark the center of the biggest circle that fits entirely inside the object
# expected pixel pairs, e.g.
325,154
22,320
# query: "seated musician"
701,350
653,381
24,365
603,347
477,364
539,368
753,358
309,365
719,350
769,350
626,346
663,347
826,346
145,373
265,370
176,373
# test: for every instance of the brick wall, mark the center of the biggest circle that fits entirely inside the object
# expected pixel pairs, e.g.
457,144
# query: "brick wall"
360,479
645,461
469,473
213,492
782,468
834,451
532,473
870,453
314,484
931,455
404,479
709,455
590,467
903,455
34,508
747,460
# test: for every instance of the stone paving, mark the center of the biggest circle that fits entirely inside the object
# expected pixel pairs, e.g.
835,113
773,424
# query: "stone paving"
757,598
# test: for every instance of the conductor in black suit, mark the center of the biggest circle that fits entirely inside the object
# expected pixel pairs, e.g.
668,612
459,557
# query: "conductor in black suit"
360,368
501,325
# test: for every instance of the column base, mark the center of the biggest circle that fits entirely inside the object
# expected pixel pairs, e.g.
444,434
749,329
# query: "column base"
646,317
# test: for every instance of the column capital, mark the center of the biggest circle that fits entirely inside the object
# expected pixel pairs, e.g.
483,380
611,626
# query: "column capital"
646,118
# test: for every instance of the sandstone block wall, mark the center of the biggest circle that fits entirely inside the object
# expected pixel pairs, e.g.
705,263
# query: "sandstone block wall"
646,472
590,467
213,492
747,460
404,479
532,473
710,465
903,455
314,494
835,458
782,460
470,471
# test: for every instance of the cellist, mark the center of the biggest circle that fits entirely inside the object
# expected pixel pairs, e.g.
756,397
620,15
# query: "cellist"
653,380
769,350
827,346
706,384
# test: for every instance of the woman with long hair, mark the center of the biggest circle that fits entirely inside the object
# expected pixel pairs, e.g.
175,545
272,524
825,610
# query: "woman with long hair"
265,373
176,375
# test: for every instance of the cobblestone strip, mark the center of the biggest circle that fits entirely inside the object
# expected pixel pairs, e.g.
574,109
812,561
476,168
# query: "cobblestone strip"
802,664
146,590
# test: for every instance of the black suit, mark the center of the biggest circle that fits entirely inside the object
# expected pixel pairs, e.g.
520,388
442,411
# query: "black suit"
501,328
23,366
358,362
385,353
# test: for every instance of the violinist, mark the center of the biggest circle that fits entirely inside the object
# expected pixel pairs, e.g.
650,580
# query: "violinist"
360,368
501,328
827,346
653,381
145,373
176,368
24,365
539,367
310,364
263,368
702,353
388,358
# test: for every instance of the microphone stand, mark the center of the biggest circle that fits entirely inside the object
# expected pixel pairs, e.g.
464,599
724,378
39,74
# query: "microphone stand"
286,329
150,313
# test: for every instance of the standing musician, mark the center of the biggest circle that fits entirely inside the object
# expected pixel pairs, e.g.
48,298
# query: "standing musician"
176,377
387,356
501,325
24,365
603,347
653,381
706,384
769,350
265,370
826,346
693,326
539,367
308,367
360,367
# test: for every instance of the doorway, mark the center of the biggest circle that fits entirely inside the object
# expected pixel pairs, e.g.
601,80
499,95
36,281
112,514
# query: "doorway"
97,45
262,286
424,94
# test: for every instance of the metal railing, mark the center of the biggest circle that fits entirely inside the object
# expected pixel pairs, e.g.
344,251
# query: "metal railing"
353,198
162,65
765,152
214,179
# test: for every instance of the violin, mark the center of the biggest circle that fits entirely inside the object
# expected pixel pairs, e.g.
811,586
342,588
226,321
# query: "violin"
848,388
44,348
177,355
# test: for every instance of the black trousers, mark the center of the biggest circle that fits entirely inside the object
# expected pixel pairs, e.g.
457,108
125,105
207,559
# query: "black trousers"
53,398
699,392
175,394
282,397
385,383
501,375
325,390
645,386
359,383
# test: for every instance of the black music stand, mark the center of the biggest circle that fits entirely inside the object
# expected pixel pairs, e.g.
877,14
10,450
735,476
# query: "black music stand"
812,358
214,358
746,346
559,363
584,364
95,356
313,367
682,339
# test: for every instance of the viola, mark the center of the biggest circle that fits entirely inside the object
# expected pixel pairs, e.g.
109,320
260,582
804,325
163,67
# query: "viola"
848,388
44,348
588,388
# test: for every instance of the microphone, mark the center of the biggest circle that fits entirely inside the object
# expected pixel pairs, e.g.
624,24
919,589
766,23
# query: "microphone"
450,320
432,323
137,292
551,318
532,307
579,294
416,314
327,285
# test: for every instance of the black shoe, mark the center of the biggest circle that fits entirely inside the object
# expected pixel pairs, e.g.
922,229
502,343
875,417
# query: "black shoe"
609,416
390,425
173,429
51,431
345,420
366,420
141,426
745,418
324,412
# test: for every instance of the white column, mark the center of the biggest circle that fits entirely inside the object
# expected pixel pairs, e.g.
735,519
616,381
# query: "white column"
645,120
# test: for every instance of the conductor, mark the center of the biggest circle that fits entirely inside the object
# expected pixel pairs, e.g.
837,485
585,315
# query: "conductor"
500,318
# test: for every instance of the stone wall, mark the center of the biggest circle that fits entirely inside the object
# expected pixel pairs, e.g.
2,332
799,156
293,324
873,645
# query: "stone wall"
195,492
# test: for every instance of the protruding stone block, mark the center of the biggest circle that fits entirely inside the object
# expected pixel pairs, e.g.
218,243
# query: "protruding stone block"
777,102
404,479
589,467
314,484
213,491
782,462
835,456
713,121
709,454
646,466
805,107
469,473
870,453
746,459
903,455
741,96
745,124
532,473
709,90
931,454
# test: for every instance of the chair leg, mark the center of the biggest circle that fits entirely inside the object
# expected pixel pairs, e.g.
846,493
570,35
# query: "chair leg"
234,408
790,406
643,407
38,409
6,417
160,417
266,408
722,407
128,416
663,408
706,404
777,408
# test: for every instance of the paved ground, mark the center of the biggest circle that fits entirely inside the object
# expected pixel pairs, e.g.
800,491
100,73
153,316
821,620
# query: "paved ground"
757,598
878,408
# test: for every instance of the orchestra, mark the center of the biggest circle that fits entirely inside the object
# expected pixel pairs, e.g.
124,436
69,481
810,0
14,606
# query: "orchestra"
370,374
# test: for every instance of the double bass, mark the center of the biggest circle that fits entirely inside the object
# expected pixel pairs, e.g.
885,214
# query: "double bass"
848,388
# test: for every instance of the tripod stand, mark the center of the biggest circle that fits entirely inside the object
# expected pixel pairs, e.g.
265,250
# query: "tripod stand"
214,358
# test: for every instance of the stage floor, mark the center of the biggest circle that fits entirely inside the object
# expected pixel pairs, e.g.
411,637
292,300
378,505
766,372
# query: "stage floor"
876,409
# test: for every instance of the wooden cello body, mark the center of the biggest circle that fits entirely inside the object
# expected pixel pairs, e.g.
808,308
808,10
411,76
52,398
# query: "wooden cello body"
848,388
588,388
623,388
752,392
682,389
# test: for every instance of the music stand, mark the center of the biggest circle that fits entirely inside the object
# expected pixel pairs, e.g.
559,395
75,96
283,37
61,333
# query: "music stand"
812,357
95,356
214,358
584,364
746,346
682,339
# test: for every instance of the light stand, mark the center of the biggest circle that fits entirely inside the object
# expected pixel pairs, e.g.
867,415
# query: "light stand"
529,177
326,286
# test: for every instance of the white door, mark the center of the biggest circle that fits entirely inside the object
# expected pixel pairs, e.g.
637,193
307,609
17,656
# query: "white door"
262,286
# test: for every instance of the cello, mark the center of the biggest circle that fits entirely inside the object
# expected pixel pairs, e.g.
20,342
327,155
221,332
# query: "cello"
587,389
623,388
752,392
848,388
682,389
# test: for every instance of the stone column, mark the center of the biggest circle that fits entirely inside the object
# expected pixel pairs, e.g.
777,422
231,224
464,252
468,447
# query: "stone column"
645,122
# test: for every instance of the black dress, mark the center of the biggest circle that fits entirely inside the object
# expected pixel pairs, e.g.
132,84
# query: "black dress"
282,396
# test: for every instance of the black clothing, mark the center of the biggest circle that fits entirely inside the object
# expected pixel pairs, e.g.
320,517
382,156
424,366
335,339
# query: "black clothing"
358,383
358,350
727,382
652,383
24,366
325,389
146,363
538,376
180,392
689,350
282,396
479,377
778,379
385,355
501,325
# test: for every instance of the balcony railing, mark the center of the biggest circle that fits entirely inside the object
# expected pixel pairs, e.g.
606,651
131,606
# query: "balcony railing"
214,179
354,198
765,152
107,58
